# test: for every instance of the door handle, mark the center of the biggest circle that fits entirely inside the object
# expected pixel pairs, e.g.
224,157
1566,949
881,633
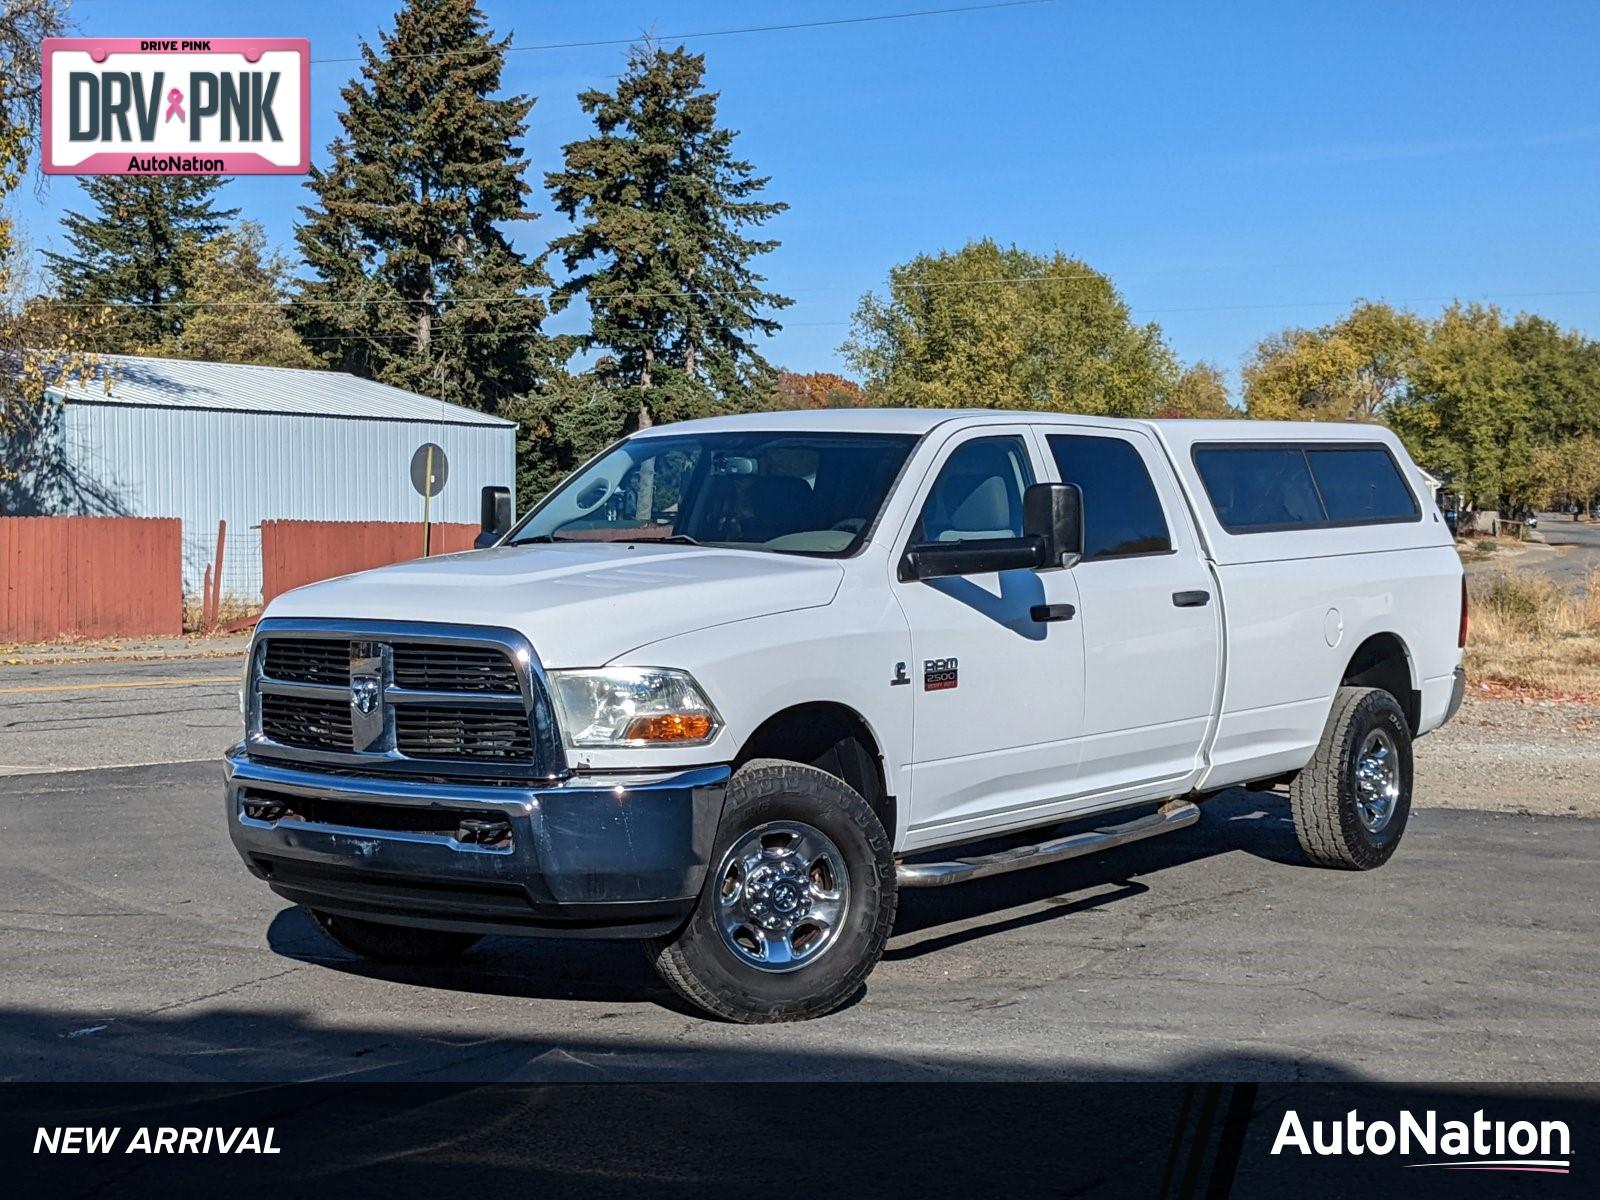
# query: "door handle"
1195,599
1052,612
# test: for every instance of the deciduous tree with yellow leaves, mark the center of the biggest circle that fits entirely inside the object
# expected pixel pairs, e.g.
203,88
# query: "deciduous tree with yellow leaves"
1350,370
998,327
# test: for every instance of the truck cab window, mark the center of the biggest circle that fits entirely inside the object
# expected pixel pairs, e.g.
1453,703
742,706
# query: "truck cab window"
1121,511
795,493
978,493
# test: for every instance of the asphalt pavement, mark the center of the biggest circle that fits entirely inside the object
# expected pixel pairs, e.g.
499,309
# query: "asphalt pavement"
135,946
1584,539
61,716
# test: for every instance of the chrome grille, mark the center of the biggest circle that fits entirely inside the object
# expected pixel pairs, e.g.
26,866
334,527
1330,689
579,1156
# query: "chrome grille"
426,667
370,695
307,660
437,731
311,724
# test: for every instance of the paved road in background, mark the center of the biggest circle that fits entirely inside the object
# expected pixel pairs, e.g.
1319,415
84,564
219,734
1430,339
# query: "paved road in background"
1580,542
135,946
56,717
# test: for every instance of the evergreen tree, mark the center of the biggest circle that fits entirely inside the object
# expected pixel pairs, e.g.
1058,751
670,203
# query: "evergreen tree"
239,288
416,284
660,206
138,247
561,427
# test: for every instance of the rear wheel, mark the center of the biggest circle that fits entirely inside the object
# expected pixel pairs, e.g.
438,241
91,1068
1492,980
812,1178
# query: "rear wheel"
1352,801
797,905
392,943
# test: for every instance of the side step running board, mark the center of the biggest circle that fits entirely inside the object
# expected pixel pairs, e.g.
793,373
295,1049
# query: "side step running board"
1178,814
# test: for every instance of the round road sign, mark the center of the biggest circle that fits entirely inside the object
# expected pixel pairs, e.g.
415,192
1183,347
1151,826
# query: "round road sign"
419,470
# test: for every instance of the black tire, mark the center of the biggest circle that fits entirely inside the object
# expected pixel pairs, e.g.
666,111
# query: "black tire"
699,964
1325,798
393,943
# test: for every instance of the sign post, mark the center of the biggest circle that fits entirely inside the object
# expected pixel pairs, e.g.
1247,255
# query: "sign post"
429,471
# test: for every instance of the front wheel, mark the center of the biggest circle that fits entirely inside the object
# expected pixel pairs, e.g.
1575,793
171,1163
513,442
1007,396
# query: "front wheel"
797,905
1352,801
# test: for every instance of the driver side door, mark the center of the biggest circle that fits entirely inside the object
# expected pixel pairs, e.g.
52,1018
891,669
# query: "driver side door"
998,691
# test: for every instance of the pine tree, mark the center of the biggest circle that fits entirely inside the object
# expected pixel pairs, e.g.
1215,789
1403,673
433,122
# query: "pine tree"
660,206
138,248
415,283
239,287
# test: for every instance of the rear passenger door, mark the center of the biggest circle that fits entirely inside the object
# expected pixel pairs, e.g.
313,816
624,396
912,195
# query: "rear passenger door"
1148,611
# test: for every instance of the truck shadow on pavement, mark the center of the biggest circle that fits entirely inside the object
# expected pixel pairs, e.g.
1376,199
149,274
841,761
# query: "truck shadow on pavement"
1255,823
570,969
289,1043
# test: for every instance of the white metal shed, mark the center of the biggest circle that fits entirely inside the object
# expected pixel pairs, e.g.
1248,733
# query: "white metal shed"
206,442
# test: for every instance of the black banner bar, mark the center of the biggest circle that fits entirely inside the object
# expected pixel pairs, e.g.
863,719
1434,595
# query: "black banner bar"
1173,1141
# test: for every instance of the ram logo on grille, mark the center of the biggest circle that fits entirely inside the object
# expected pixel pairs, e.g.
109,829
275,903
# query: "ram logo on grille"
364,690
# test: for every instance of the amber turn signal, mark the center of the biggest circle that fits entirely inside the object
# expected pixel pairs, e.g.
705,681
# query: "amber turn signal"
669,727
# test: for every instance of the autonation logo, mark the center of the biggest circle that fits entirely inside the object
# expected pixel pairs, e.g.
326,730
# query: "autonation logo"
1478,1145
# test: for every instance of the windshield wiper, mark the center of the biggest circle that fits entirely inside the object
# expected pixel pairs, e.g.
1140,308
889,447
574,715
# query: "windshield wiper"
543,537
682,539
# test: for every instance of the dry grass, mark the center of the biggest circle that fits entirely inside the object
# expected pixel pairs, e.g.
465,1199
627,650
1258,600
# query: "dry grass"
1529,632
230,610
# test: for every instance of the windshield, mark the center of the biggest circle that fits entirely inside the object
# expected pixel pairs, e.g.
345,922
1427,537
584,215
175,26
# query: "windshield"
800,493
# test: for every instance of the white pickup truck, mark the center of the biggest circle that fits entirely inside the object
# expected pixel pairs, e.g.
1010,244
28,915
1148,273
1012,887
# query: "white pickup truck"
738,681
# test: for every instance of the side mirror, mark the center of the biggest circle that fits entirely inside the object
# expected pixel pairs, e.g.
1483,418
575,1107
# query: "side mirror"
1053,513
494,516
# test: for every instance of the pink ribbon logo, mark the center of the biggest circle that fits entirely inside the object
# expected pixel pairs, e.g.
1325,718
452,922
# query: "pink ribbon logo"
175,105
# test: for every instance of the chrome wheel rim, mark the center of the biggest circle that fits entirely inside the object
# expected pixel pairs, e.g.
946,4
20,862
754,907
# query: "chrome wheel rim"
1377,780
782,892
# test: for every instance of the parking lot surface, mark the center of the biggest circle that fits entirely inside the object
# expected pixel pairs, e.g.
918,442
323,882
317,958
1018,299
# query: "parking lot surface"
60,716
135,946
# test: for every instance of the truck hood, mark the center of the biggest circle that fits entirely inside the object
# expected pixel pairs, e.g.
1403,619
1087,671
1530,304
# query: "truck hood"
581,604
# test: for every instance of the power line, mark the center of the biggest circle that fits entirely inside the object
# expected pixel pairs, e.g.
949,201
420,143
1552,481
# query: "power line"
706,33
536,293
532,330
544,292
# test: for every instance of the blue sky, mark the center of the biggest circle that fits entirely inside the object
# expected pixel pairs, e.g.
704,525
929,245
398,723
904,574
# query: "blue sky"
1234,168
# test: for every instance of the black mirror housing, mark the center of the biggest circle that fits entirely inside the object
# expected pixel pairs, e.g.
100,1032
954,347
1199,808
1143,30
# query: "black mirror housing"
1053,513
494,516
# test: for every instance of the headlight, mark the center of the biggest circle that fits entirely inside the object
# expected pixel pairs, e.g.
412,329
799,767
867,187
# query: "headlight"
633,706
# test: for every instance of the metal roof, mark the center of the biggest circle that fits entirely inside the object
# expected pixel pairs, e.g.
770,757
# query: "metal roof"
235,387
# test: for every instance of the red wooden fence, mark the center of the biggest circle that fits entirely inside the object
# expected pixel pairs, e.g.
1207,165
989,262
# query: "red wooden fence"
294,553
90,577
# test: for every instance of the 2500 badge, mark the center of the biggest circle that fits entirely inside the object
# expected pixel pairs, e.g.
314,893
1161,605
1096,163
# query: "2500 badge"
939,674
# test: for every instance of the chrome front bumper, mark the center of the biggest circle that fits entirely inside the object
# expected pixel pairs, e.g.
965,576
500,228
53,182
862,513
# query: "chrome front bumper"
587,856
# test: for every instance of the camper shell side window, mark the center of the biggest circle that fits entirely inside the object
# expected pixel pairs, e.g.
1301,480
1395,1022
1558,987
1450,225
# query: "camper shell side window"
1265,487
